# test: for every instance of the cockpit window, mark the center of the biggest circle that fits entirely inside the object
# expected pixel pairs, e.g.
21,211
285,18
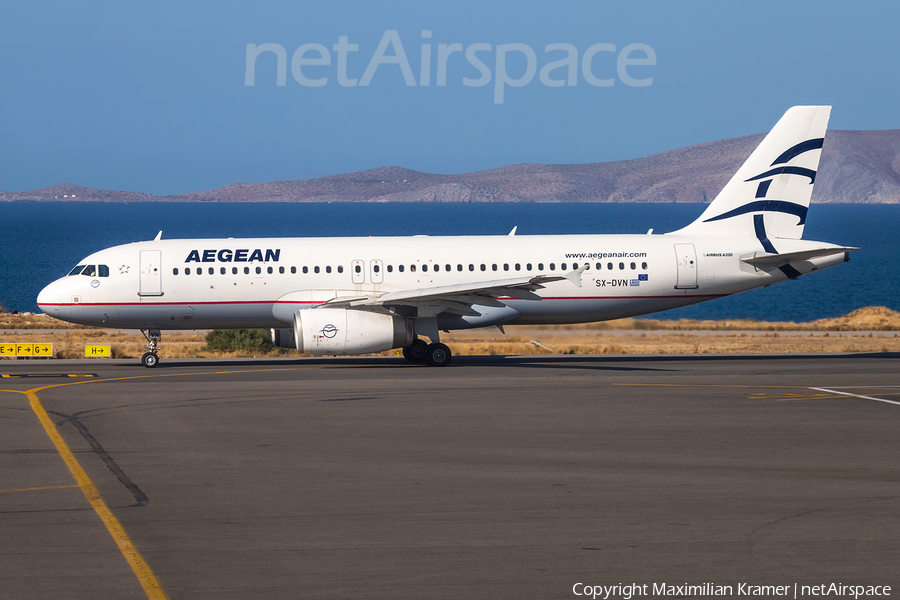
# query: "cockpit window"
104,270
76,270
89,271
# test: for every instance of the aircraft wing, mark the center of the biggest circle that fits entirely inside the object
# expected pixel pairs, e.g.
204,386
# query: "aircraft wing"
763,260
459,298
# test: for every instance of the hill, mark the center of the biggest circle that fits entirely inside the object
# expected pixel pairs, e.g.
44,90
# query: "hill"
856,167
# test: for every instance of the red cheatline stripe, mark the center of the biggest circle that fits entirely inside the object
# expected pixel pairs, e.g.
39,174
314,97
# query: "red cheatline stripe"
185,303
634,297
233,302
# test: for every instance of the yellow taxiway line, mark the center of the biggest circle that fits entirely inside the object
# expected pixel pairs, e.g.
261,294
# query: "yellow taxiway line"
141,569
34,489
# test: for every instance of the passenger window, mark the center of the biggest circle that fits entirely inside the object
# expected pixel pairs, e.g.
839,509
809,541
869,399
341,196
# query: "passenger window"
199,270
89,271
390,268
221,270
187,270
76,270
281,270
315,269
471,267
212,271
258,270
424,268
376,268
621,266
175,271
103,270
437,267
234,270
644,266
609,266
293,270
448,268
305,270
599,266
528,266
483,267
518,267
400,268
328,269
358,269
246,270
540,266
269,270
412,268
459,267
552,266
633,266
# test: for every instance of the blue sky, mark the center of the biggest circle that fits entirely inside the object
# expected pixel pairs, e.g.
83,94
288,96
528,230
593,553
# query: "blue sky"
152,97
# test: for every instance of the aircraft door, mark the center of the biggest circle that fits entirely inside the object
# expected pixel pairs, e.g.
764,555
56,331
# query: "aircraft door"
151,273
358,271
377,275
686,255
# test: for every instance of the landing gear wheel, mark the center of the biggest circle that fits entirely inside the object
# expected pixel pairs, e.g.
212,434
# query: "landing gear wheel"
417,352
153,336
438,355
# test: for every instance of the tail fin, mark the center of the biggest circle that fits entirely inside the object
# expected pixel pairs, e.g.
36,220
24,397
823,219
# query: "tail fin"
771,191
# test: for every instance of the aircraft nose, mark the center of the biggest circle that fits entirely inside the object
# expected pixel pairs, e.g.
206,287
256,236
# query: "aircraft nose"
48,298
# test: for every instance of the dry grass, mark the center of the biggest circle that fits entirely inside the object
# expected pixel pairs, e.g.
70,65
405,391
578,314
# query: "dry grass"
870,318
851,333
34,321
471,343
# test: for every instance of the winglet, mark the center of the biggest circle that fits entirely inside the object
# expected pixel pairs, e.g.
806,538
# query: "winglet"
158,236
513,232
575,276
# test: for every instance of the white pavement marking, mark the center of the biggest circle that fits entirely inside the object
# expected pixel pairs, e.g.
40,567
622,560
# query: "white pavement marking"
856,395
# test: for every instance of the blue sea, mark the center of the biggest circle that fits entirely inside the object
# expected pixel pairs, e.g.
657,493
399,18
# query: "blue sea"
40,242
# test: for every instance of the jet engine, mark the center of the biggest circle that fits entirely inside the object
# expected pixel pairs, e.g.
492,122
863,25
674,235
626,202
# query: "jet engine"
342,331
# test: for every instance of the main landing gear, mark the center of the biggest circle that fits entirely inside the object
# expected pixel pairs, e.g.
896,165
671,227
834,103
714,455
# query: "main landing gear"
434,355
153,336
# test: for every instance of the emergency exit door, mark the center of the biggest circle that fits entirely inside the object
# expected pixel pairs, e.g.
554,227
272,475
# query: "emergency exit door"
377,275
358,271
686,255
151,273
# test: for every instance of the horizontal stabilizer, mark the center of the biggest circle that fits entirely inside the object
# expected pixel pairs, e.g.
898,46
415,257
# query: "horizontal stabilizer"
766,260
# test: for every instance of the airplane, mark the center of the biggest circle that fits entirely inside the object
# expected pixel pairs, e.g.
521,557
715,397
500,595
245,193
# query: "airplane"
338,296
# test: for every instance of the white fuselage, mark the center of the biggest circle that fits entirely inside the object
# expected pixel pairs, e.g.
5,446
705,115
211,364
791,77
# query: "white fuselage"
226,283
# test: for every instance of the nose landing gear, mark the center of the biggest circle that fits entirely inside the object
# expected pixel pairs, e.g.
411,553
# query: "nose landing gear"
153,336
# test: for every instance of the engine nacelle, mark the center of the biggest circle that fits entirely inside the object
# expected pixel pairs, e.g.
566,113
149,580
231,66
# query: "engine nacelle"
342,331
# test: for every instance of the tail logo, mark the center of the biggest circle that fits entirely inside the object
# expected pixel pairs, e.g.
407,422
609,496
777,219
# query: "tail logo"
779,167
